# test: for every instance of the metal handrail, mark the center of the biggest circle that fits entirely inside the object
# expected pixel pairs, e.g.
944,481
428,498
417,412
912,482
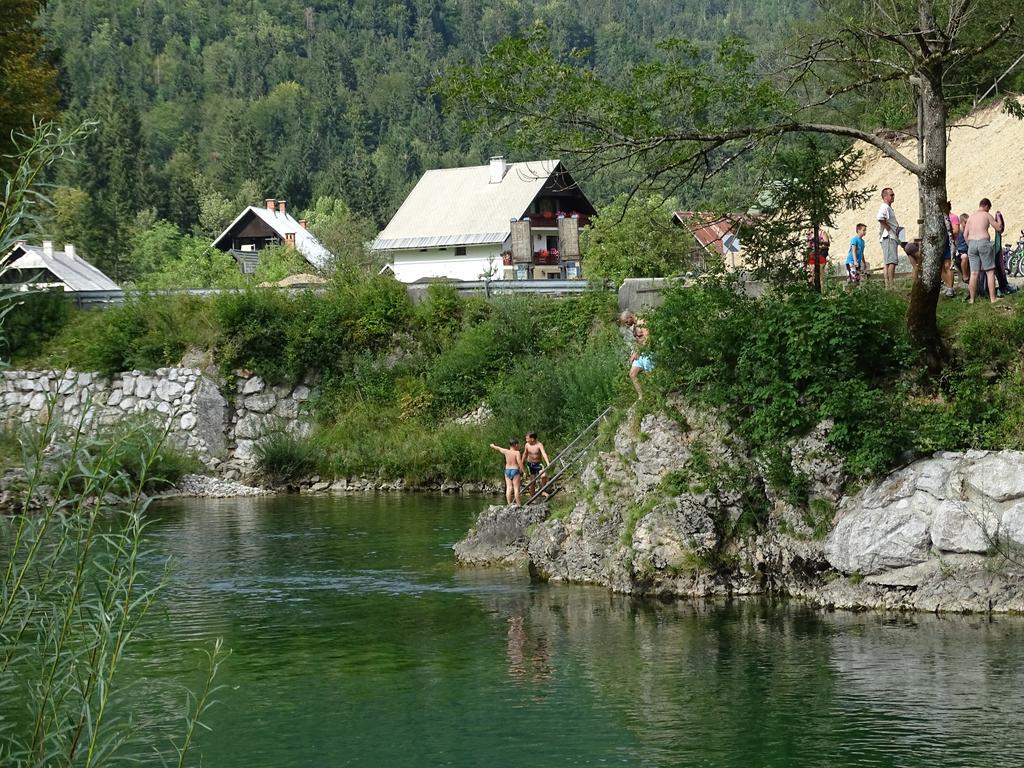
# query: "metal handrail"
568,463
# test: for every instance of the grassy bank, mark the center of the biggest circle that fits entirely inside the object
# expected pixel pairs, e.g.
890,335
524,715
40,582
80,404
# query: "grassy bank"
391,377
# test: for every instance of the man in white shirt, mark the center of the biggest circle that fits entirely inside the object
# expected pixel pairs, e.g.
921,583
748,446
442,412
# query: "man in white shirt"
888,234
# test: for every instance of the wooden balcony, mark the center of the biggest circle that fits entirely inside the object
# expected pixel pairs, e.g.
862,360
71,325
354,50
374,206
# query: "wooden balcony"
549,220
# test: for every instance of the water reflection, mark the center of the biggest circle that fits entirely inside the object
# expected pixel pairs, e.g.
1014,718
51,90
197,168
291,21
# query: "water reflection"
357,642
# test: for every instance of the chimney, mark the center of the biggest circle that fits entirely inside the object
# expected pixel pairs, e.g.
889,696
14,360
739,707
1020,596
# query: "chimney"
69,249
48,247
271,203
498,169
302,223
280,207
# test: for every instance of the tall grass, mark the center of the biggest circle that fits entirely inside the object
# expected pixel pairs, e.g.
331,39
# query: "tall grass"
282,457
73,592
73,599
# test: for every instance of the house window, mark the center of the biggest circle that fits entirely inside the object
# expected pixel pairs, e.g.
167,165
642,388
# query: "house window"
460,250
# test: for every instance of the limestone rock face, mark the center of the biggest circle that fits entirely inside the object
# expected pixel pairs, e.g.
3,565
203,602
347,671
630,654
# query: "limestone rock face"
211,410
252,386
998,476
499,535
878,540
958,528
1011,525
169,390
630,533
672,535
662,448
820,463
950,503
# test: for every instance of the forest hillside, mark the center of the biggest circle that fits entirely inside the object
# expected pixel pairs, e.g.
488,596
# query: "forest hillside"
298,99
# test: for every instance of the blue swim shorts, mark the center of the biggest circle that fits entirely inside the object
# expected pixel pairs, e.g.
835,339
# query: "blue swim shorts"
644,363
512,473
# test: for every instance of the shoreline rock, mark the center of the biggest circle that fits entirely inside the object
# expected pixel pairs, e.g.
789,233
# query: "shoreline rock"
208,487
944,534
500,535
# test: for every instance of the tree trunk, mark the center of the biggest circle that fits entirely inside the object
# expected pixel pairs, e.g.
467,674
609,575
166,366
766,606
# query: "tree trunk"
924,294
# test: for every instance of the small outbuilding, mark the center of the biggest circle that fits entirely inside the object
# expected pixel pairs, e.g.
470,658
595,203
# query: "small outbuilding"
257,228
717,235
42,267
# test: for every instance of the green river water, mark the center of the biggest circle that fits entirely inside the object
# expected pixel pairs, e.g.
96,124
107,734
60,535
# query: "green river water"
356,641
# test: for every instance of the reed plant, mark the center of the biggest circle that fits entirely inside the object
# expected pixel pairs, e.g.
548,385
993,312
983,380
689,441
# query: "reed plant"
74,594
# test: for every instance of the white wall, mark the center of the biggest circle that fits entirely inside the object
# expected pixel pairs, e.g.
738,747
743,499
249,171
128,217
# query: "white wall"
410,266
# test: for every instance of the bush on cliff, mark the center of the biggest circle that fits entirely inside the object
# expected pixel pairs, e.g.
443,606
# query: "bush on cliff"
778,365
145,333
281,337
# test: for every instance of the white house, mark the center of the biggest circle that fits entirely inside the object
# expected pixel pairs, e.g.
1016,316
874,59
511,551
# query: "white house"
257,228
456,222
33,266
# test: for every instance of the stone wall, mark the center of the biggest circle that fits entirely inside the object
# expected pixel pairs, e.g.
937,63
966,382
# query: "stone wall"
259,408
206,419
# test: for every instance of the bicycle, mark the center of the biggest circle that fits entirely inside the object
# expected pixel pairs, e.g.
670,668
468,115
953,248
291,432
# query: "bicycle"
1015,258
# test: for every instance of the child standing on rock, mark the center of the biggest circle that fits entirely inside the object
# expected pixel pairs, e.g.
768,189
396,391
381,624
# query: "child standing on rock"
513,469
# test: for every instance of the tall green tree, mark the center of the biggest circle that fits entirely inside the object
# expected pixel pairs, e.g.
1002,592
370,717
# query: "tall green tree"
635,239
28,81
686,116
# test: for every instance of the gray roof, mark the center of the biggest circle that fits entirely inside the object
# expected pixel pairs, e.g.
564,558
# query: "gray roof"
460,206
312,250
75,272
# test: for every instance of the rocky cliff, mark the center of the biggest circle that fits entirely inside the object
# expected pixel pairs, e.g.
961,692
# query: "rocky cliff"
677,508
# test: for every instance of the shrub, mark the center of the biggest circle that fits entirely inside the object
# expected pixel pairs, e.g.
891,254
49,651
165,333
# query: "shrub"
279,262
562,395
146,333
779,365
319,336
254,333
282,457
381,308
34,319
439,318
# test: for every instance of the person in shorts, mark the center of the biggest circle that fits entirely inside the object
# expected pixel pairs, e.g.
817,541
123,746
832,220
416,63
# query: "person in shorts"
952,230
855,257
513,469
888,235
961,248
640,361
817,256
980,252
536,459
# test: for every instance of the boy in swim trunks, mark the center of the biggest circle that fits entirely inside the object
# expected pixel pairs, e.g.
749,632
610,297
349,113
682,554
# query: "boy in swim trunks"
513,469
533,455
855,258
